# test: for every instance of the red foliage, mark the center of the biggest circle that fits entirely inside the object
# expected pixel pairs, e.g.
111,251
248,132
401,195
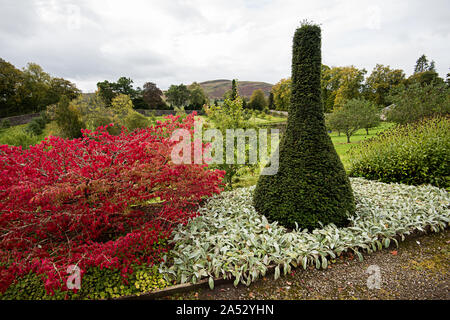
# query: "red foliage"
82,201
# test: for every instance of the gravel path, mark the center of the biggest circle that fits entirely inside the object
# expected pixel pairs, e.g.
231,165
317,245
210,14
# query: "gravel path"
418,269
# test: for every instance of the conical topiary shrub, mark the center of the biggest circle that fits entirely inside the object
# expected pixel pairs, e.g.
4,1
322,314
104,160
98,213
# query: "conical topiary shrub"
311,185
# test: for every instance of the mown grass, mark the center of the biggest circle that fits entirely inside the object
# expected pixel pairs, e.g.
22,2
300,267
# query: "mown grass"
267,119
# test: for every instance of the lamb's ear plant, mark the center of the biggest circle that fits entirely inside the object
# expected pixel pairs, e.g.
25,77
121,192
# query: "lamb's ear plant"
230,240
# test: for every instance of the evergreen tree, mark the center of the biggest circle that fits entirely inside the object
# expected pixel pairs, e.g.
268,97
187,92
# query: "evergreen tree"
234,92
432,66
68,119
311,185
244,103
422,65
271,105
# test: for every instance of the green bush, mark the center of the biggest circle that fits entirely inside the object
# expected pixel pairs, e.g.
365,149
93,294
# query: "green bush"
68,119
5,124
415,154
17,136
45,117
311,186
135,120
104,119
36,126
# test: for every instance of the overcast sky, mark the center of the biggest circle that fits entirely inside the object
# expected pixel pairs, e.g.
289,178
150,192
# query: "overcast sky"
181,41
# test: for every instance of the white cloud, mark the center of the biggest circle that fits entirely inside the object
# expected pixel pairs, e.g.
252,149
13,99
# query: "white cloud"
169,42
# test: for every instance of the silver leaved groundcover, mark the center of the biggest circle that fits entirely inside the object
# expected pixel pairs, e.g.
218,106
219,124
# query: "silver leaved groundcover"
229,239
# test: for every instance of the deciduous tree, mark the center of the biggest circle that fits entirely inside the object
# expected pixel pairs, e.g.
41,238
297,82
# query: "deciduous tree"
152,95
417,101
355,114
381,81
282,94
258,100
178,95
197,96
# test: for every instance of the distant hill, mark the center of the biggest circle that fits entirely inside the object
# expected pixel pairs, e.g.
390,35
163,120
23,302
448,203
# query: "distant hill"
216,88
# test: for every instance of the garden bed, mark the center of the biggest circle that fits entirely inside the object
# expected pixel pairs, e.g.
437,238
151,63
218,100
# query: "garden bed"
416,270
230,240
230,243
72,211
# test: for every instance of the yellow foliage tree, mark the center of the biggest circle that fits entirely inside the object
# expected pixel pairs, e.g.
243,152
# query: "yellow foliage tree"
282,94
345,83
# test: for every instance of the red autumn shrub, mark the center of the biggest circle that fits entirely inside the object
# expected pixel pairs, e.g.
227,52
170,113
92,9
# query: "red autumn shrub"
100,200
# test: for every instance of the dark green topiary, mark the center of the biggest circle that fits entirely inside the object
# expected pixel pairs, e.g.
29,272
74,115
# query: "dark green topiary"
311,185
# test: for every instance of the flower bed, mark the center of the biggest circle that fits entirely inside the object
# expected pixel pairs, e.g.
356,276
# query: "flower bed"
230,240
101,202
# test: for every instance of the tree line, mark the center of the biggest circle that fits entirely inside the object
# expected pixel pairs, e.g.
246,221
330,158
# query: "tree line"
30,89
353,102
339,84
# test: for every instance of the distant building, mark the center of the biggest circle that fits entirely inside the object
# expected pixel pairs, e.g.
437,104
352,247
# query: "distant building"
385,111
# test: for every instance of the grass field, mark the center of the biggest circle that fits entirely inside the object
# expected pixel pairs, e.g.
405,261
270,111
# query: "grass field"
341,145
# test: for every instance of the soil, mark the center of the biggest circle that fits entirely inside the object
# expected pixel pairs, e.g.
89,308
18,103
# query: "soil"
417,269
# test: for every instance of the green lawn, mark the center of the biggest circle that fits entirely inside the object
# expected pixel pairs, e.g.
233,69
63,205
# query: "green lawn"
341,145
268,119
